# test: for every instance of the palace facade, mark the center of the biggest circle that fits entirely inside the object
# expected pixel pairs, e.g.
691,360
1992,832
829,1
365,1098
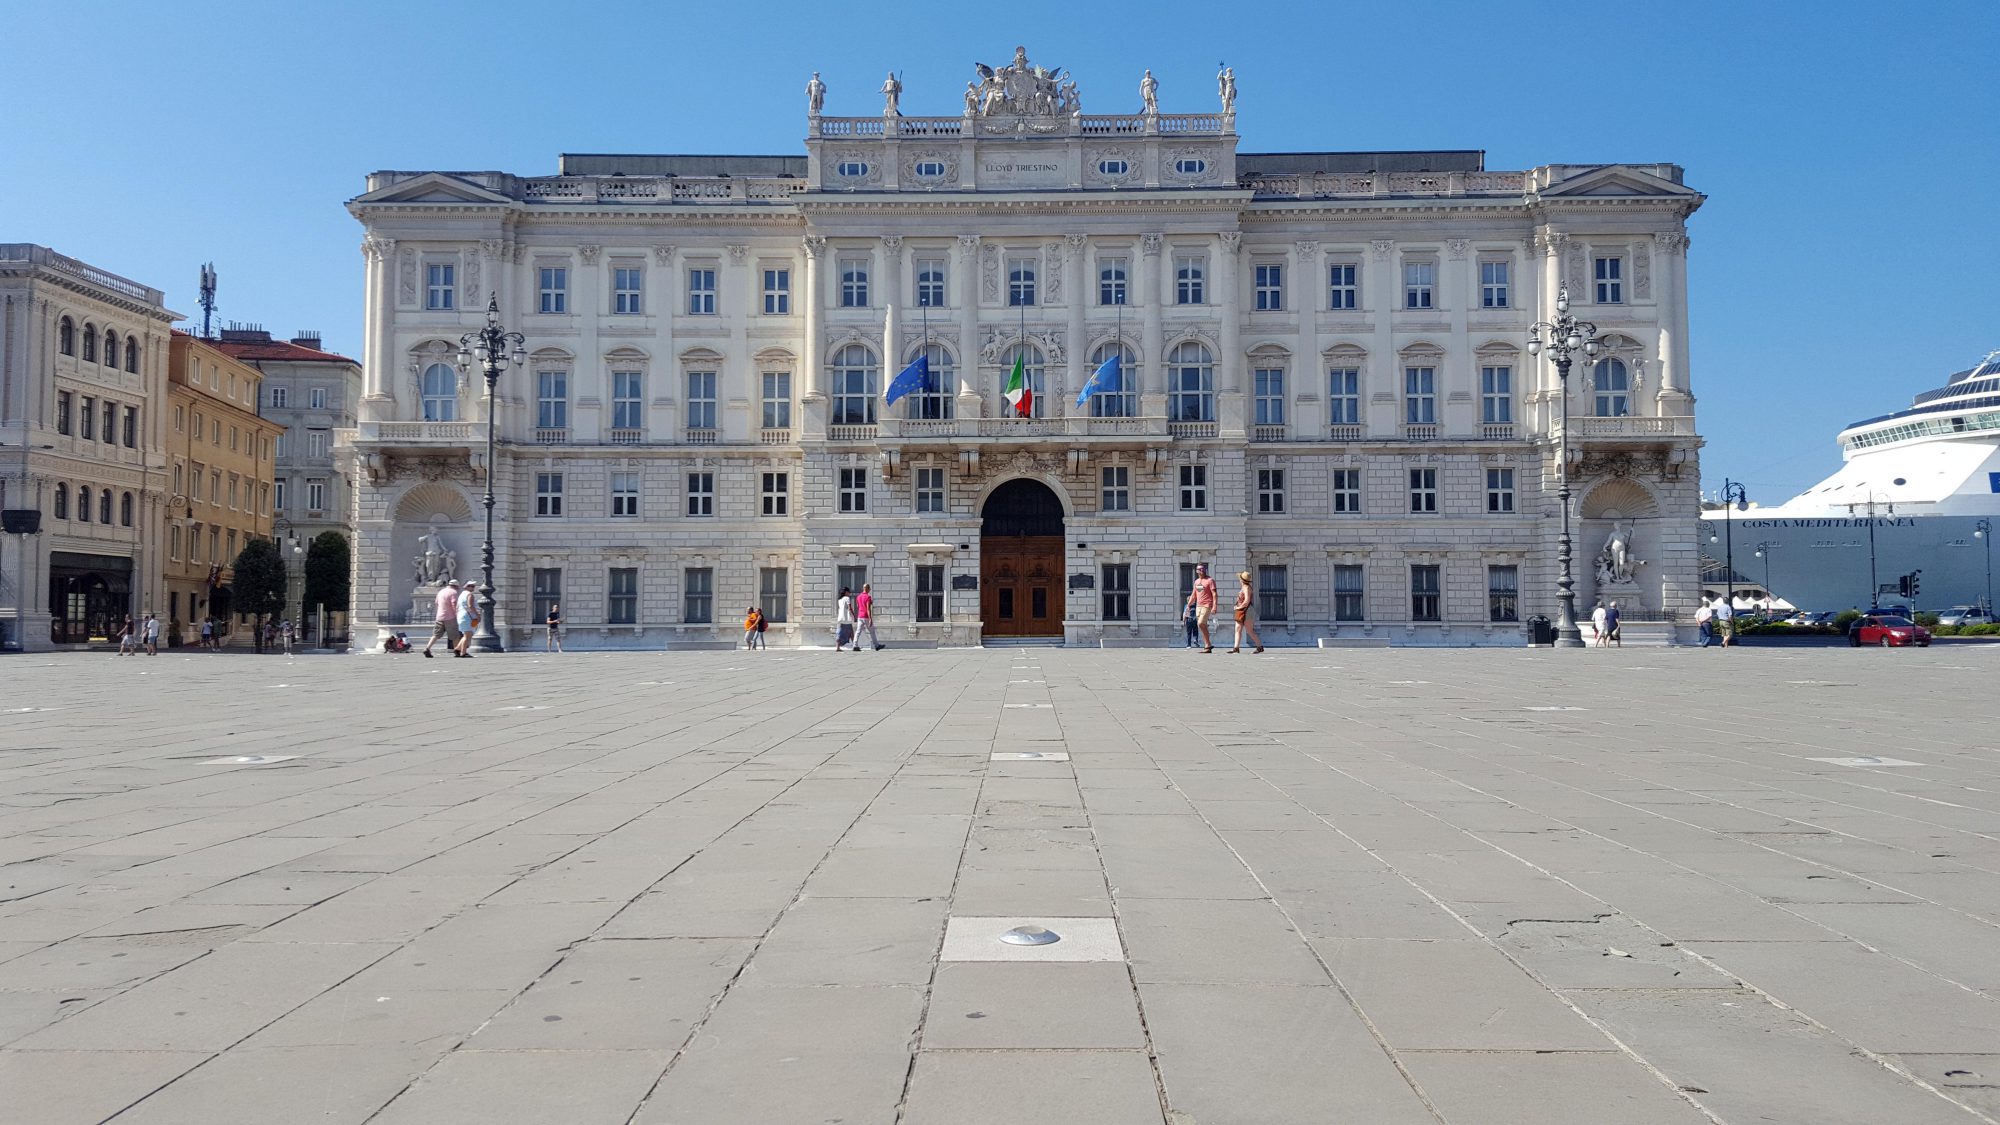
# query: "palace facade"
1325,382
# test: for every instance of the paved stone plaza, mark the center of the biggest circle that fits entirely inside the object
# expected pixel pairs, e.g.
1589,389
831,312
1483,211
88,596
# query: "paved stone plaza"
1378,887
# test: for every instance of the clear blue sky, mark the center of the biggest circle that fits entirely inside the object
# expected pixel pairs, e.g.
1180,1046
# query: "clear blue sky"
1851,151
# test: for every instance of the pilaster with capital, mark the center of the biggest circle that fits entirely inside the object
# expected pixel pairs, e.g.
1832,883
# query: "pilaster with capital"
1152,336
377,399
1309,284
1229,252
889,267
1075,262
1670,275
966,299
814,248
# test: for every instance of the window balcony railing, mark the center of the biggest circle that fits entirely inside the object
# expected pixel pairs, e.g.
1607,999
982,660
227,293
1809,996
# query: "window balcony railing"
1632,426
1191,429
1496,431
627,437
1346,433
1270,433
775,435
850,433
420,431
1420,431
699,435
550,435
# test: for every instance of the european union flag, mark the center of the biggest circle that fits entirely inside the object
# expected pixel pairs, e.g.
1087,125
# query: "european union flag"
1105,380
915,377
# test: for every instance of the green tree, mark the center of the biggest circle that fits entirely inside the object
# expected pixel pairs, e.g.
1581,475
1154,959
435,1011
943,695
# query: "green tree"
259,585
327,573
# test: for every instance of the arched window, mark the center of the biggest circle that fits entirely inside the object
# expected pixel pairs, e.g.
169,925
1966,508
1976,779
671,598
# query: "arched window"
110,348
104,507
1122,402
1191,384
66,336
125,510
440,393
62,501
1033,374
1613,384
855,378
83,503
132,354
90,343
935,402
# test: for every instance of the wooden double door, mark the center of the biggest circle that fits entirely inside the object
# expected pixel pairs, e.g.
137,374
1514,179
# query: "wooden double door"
1021,585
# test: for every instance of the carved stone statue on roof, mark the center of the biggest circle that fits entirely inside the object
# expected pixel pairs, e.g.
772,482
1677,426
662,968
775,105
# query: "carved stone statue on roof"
1021,89
815,95
1149,92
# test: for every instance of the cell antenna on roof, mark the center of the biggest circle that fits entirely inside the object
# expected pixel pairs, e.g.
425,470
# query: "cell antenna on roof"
207,297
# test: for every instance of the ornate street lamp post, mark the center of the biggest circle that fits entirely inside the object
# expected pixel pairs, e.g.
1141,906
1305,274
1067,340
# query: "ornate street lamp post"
493,348
1984,530
1764,552
1734,500
1874,580
1566,335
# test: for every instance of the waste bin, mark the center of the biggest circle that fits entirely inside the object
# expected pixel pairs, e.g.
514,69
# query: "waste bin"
1541,631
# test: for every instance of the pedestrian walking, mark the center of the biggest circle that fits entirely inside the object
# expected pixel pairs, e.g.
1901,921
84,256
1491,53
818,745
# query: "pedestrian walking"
1204,604
1193,635
1611,621
1246,615
285,631
554,641
1597,624
152,634
752,633
208,632
1725,622
467,619
864,609
128,643
1704,622
843,621
445,624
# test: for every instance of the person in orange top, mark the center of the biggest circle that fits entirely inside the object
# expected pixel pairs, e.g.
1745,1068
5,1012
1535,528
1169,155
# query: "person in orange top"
1246,610
753,631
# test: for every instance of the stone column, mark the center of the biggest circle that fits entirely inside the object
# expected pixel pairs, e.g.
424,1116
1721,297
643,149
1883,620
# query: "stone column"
815,318
1075,263
1382,294
889,267
1152,292
1670,275
1229,399
1308,282
378,335
967,305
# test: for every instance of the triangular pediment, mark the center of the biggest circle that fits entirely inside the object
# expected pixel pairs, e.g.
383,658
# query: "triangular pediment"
1615,180
434,187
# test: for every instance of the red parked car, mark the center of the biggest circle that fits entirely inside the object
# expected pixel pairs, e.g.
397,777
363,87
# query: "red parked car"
1888,631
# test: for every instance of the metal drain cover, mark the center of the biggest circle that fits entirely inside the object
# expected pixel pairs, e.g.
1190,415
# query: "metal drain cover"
1030,935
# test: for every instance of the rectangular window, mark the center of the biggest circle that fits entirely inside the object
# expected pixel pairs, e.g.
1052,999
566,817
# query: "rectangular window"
548,494
281,397
1426,595
89,417
552,288
1269,279
698,595
777,400
930,491
701,494
1423,490
930,283
775,494
628,284
440,286
621,601
701,400
853,283
1496,395
1020,282
853,490
1349,598
1610,276
235,435
1494,285
625,495
1346,491
1194,488
277,494
777,292
1503,593
701,292
1273,593
111,422
1343,405
1115,593
1111,281
1420,396
65,404
850,578
1499,490
1343,291
174,551
552,400
235,485
1270,492
316,495
1117,488
1270,395
930,593
546,588
774,593
1419,281
131,431
628,400
1190,276
318,442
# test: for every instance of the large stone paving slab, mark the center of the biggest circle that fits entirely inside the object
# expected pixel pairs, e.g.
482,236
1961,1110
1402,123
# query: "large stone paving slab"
1388,886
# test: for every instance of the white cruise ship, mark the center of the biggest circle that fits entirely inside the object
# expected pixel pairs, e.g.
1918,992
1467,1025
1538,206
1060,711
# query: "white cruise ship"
1922,480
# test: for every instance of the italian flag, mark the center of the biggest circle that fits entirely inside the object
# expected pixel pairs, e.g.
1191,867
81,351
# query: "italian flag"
1018,395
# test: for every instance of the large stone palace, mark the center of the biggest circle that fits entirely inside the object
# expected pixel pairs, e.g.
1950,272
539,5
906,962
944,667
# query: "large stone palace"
1323,380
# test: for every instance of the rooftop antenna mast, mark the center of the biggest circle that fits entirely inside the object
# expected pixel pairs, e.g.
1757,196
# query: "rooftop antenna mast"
207,297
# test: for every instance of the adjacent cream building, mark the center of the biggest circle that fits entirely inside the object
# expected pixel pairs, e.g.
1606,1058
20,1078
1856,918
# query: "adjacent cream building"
1326,382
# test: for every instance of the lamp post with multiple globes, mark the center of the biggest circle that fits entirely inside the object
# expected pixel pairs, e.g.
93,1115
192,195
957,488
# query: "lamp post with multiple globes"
1734,499
493,348
1566,335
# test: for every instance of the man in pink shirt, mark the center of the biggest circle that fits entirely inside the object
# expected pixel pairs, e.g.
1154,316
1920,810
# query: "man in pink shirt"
1204,604
864,608
446,625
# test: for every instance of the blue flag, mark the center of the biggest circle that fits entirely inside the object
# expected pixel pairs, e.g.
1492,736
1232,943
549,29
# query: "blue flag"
1105,380
916,377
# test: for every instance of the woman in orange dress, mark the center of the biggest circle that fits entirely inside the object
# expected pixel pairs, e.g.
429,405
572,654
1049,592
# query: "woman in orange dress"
1246,614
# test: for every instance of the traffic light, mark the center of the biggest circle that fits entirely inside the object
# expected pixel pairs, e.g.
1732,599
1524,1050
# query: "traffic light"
1903,586
1914,576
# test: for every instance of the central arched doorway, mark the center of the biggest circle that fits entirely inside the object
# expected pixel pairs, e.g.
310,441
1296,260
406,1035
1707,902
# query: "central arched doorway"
1021,561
